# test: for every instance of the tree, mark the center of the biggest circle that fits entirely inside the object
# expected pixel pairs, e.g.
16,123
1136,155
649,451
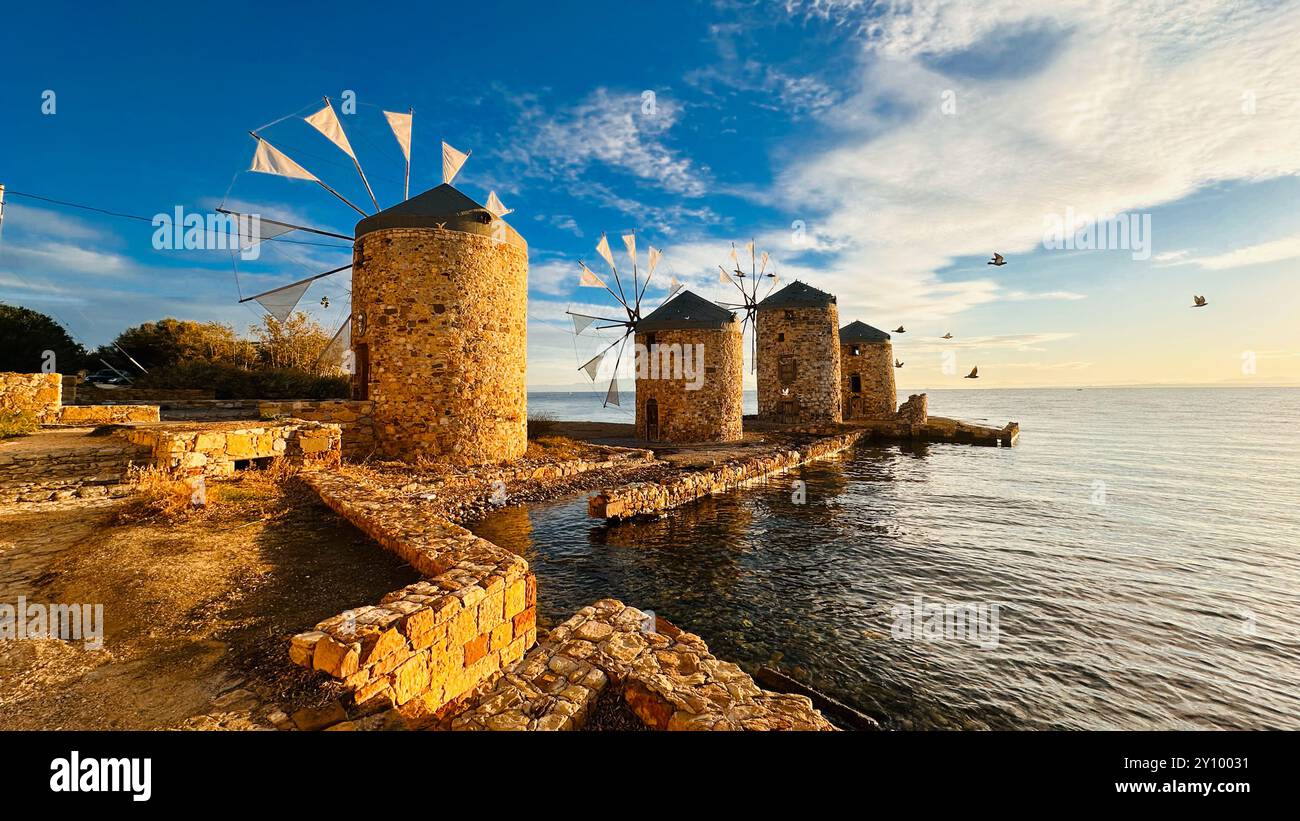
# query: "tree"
170,342
26,336
297,343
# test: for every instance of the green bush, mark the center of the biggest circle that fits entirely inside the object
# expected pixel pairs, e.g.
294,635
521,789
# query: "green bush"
232,382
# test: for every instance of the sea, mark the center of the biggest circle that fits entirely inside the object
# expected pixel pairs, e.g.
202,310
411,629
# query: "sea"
1134,563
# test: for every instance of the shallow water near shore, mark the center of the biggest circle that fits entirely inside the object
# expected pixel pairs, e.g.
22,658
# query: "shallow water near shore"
1141,546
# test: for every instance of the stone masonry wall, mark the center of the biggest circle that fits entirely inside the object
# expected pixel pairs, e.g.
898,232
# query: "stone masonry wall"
94,415
353,417
214,449
809,338
653,498
713,412
428,645
37,394
874,366
443,318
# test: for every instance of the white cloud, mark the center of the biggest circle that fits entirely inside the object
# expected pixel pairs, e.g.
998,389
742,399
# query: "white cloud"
1134,106
1275,251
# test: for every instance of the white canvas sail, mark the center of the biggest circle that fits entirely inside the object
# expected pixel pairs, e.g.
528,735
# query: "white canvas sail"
723,277
655,253
281,302
593,366
336,352
581,322
452,160
496,206
629,242
602,248
611,396
327,122
401,125
763,260
270,160
589,278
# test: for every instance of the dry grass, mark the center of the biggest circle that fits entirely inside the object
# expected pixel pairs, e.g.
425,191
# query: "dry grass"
556,447
160,497
16,423
540,424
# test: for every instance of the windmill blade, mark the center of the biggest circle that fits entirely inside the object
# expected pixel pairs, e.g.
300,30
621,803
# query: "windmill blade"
452,161
280,302
583,321
338,346
592,366
270,160
496,206
611,395
327,122
287,226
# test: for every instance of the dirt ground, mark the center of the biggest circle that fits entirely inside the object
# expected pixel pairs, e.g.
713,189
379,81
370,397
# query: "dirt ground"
197,613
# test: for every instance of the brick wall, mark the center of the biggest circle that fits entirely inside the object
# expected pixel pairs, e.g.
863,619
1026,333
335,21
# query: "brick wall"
799,365
93,415
440,328
713,412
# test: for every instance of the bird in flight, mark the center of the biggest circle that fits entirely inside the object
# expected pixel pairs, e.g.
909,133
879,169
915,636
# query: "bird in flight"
900,330
1200,302
974,373
997,260
897,364
948,335
324,302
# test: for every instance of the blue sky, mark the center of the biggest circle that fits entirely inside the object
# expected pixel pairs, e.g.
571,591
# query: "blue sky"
909,141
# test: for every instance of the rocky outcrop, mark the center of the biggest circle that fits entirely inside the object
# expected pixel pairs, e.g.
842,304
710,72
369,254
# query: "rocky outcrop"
38,395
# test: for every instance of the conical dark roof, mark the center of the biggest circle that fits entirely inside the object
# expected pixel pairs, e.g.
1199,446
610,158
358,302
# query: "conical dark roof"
862,332
440,207
686,310
797,295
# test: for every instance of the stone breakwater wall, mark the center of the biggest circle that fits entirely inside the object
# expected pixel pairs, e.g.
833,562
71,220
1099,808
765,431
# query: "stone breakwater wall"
653,498
667,676
355,418
39,395
219,449
95,415
428,645
61,473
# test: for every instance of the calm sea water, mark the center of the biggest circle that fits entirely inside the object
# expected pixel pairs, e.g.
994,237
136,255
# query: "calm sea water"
1142,546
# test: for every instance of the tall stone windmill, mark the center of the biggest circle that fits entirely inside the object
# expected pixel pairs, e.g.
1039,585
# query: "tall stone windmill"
438,316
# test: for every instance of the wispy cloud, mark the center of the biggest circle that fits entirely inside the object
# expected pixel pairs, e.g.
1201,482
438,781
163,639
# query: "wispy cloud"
1275,251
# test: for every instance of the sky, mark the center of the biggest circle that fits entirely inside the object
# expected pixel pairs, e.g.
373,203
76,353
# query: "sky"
879,151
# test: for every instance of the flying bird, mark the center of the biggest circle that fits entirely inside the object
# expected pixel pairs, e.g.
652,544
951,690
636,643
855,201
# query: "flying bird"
948,335
324,302
1200,302
974,373
897,364
997,260
900,330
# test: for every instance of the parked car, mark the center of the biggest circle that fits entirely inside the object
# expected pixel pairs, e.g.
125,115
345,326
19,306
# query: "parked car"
108,378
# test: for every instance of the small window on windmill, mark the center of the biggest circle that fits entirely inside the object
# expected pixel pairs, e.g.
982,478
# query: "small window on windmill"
786,369
789,314
856,350
780,337
361,323
856,383
649,340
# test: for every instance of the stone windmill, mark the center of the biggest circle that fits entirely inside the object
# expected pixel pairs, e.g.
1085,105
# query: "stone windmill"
437,318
